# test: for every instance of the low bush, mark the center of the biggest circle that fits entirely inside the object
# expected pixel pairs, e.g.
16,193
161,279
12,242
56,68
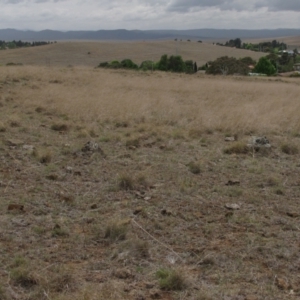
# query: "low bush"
171,280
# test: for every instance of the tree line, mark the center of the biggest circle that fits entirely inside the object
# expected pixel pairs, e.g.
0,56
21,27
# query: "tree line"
20,44
270,47
174,63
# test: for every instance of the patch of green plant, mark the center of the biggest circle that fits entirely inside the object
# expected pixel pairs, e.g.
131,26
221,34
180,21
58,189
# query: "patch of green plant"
57,231
171,280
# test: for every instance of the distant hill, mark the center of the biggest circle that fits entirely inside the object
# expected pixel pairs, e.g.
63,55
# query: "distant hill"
122,34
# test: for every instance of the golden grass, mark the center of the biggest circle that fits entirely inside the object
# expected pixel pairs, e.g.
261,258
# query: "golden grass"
195,102
76,53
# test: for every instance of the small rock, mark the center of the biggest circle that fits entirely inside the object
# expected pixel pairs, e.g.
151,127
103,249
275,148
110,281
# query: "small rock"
69,169
258,142
28,148
232,206
16,207
230,139
282,283
122,273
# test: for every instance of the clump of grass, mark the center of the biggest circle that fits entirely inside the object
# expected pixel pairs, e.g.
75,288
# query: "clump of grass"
116,231
40,109
43,156
22,276
289,148
14,122
104,139
195,133
126,182
57,231
60,127
135,142
237,148
194,168
140,248
279,191
2,127
272,181
123,124
171,280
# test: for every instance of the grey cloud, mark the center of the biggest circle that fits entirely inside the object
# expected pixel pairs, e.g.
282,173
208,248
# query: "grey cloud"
234,5
280,5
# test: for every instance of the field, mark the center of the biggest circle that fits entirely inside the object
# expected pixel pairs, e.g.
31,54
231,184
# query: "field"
92,53
145,185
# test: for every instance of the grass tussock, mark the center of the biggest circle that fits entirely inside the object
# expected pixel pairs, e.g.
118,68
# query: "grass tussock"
126,182
171,280
116,231
237,148
60,127
44,156
289,148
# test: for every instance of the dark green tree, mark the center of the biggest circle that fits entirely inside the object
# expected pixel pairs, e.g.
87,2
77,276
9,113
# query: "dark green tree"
265,66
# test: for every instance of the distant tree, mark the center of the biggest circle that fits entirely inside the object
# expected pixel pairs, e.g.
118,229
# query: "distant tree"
128,64
264,66
248,60
227,66
195,67
162,65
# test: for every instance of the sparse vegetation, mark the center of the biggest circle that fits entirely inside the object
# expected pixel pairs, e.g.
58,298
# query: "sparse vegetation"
77,224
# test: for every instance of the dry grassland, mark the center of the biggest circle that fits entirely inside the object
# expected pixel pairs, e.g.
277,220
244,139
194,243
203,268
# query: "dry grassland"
165,208
76,53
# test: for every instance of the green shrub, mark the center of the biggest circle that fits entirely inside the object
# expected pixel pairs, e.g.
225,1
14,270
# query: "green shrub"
128,64
147,65
171,280
265,66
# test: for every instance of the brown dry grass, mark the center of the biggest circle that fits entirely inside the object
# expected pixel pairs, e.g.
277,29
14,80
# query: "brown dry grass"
82,235
192,102
76,53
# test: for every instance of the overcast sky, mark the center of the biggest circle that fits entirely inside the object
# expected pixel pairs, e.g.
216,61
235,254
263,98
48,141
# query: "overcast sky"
149,14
